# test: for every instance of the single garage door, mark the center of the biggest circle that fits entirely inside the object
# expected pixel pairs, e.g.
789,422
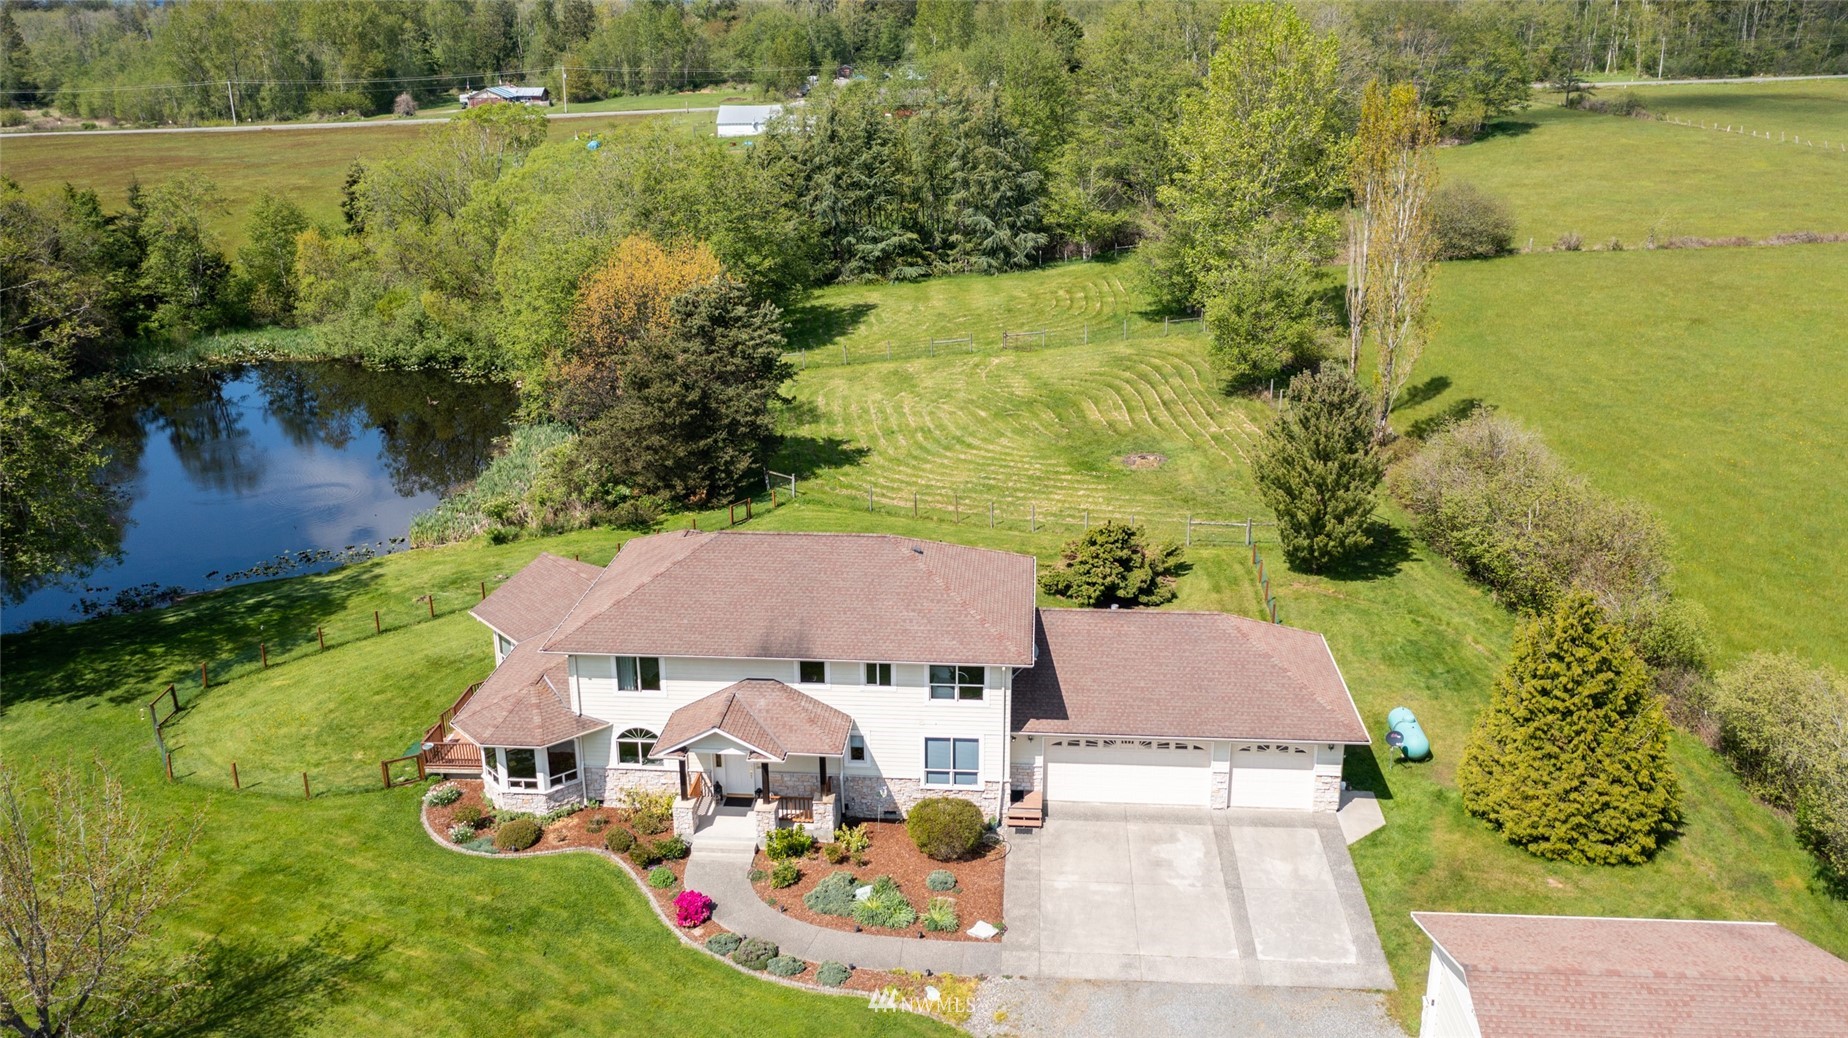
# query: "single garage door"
1128,771
1273,775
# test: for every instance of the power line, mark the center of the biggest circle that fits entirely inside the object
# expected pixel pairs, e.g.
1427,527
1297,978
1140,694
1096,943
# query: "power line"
339,81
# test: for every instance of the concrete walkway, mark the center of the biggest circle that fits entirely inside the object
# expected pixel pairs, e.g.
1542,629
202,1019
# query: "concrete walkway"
720,871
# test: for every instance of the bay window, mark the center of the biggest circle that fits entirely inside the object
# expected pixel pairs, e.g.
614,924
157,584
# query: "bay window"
525,767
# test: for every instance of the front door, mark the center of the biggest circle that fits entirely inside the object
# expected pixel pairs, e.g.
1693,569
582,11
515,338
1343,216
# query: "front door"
735,775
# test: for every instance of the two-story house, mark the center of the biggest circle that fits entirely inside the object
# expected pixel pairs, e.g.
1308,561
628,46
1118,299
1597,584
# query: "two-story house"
865,672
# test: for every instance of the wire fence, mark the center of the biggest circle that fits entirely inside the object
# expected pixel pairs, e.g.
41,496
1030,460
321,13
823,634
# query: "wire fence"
1780,137
1054,333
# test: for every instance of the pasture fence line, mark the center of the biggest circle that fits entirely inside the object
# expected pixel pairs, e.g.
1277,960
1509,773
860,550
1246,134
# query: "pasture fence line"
958,507
1783,136
1044,336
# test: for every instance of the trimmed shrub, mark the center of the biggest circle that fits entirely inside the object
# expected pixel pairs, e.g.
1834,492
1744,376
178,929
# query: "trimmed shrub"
619,841
1470,223
1114,564
940,915
1570,760
723,943
672,848
786,965
835,853
516,835
443,795
885,908
645,854
754,953
788,843
662,877
941,880
460,833
854,839
833,895
785,874
692,908
467,814
832,974
945,828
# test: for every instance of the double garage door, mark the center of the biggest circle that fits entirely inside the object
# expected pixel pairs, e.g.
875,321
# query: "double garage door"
1129,771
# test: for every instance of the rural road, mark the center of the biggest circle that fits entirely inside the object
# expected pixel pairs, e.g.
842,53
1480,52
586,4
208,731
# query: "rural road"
1697,82
260,127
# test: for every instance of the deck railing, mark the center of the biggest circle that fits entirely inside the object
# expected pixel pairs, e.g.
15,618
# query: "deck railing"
795,809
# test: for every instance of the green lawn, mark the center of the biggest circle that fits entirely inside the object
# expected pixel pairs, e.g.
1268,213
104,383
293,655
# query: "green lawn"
1603,176
1807,108
1709,384
307,166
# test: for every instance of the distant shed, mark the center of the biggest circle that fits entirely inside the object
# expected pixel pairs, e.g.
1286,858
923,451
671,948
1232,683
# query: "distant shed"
746,120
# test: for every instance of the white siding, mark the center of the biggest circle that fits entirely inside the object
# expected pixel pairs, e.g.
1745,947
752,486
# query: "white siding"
894,720
1448,1011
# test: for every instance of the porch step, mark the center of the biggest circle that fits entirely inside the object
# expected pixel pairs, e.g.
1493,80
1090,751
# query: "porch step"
1028,813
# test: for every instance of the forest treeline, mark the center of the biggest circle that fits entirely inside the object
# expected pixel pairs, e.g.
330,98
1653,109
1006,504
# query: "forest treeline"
197,60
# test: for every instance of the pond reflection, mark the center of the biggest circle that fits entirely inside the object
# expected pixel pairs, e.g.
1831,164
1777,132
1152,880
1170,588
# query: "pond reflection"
223,471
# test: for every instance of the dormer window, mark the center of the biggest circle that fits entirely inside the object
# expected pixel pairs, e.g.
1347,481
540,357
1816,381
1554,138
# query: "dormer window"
953,682
638,673
812,672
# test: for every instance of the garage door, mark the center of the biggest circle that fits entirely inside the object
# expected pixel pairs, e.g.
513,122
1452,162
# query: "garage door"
1273,775
1127,771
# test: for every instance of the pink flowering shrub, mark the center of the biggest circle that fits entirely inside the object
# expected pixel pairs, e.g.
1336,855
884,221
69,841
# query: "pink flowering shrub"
692,908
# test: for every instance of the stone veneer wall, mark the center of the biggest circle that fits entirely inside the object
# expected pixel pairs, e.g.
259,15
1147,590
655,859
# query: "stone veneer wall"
535,801
1327,792
608,784
1222,789
795,783
1024,778
870,796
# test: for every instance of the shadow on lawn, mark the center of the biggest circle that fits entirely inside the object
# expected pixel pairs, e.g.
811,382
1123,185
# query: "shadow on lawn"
1391,549
806,455
1361,768
817,324
259,991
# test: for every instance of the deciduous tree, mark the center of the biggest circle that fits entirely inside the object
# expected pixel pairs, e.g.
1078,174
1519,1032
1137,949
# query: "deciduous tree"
268,257
1570,760
1319,470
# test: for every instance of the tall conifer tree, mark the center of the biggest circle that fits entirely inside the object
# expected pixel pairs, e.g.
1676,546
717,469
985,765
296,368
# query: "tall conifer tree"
1318,469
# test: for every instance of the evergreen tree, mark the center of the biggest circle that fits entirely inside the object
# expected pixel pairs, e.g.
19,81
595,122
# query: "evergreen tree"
1114,564
1570,761
1318,469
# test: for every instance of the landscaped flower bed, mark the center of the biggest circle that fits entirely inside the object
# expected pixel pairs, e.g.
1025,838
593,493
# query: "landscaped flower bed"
975,895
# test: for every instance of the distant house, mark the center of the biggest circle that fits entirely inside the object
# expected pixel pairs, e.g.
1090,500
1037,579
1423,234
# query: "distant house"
503,94
746,120
1587,977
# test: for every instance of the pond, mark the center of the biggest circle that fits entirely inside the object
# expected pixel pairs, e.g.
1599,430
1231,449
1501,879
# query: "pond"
267,470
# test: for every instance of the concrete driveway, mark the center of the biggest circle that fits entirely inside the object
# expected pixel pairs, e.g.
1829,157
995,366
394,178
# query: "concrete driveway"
1186,895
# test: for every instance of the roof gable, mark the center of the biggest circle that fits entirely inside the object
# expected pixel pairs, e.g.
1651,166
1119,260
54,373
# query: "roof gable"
763,715
1137,672
532,601
806,596
525,702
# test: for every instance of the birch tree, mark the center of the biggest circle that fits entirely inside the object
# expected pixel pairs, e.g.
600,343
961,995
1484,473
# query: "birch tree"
1392,251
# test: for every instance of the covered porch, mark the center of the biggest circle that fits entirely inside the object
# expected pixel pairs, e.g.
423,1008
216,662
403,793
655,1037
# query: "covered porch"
761,749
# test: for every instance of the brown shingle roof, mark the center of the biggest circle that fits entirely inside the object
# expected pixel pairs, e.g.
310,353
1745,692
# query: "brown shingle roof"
1193,675
1579,977
525,702
765,714
536,598
806,596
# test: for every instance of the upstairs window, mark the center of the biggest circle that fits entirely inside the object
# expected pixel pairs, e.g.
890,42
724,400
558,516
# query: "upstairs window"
503,644
856,747
879,673
812,672
638,673
952,682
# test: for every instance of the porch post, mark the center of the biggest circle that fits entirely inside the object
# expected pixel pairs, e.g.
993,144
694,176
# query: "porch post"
683,777
766,773
821,790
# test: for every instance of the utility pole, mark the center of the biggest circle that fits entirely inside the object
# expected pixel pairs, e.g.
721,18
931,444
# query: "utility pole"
564,86
229,96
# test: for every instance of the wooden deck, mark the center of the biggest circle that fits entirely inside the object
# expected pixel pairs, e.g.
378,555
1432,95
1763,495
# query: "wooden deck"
1028,813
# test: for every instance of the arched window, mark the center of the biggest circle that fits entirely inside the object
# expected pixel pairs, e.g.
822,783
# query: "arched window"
632,747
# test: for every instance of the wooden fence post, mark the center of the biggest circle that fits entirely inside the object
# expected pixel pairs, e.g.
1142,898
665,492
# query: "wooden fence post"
169,764
991,515
914,504
377,627
263,654
484,591
1190,531
320,635
385,773
306,795
1032,518
431,598
869,499
956,504
236,783
204,678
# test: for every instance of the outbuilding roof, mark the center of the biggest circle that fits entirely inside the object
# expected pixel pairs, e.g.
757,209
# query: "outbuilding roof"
1586,977
525,702
806,596
1166,673
533,600
763,715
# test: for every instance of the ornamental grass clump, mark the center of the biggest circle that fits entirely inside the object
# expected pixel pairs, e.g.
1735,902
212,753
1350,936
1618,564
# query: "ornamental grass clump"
940,915
885,907
443,795
692,908
1570,760
833,895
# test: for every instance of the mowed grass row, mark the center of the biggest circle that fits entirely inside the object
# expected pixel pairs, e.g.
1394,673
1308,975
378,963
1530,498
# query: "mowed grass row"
1042,431
1603,176
306,166
1710,385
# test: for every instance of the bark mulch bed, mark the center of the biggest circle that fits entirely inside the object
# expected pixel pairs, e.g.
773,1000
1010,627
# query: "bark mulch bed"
575,832
891,853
